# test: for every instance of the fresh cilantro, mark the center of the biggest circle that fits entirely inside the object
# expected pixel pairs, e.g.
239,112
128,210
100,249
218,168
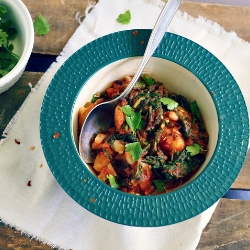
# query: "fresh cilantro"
3,10
160,185
112,181
171,104
8,59
3,38
194,149
124,18
148,80
132,118
128,110
41,26
134,149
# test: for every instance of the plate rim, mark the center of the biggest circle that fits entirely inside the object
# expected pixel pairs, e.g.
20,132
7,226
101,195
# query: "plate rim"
174,207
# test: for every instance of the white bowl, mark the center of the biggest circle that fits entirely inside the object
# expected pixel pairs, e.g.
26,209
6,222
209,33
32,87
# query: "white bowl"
23,44
175,78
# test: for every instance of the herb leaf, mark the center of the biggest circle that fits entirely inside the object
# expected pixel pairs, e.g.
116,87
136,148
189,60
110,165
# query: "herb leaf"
134,149
160,185
112,181
195,110
124,18
41,26
196,114
127,110
3,10
194,149
171,104
132,118
148,80
3,38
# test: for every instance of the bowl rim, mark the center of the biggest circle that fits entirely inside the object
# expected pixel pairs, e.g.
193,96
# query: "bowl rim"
21,10
116,206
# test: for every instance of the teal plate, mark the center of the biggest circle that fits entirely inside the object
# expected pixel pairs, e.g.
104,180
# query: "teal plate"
116,206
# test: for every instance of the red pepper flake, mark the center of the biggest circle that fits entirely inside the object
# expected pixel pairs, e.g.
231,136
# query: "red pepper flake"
29,184
142,42
135,33
92,200
40,165
85,180
213,92
17,142
56,135
32,147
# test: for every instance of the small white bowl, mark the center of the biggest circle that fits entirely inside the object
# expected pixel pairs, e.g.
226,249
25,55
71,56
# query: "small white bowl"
18,13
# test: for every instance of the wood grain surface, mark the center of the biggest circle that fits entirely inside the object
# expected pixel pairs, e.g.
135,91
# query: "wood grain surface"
232,18
229,227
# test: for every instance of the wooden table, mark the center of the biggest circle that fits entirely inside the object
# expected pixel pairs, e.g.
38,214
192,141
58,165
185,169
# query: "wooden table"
229,227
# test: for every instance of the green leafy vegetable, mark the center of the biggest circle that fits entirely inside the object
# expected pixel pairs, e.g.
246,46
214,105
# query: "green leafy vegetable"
128,110
96,96
3,10
182,101
196,114
112,181
132,118
134,149
160,185
195,110
148,80
171,104
124,18
194,149
8,59
41,26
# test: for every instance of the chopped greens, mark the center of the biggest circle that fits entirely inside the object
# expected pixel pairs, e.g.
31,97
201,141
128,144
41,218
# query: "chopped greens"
132,118
194,149
96,96
148,80
112,181
134,149
195,110
8,59
196,114
41,26
124,18
171,104
160,185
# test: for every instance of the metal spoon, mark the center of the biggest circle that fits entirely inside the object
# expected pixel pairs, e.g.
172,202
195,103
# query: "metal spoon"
102,116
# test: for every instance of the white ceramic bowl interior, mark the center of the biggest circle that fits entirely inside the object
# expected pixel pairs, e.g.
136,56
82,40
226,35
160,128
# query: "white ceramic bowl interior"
175,78
18,13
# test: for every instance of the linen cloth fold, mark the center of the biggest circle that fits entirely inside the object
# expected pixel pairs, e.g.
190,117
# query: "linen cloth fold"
43,209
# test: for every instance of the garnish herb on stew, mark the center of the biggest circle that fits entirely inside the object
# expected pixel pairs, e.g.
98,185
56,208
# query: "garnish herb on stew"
157,142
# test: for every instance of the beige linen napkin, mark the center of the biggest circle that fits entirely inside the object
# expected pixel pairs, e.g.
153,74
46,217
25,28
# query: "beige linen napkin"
42,209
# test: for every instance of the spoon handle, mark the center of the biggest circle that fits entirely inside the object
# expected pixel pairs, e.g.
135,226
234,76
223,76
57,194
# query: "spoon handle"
156,36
